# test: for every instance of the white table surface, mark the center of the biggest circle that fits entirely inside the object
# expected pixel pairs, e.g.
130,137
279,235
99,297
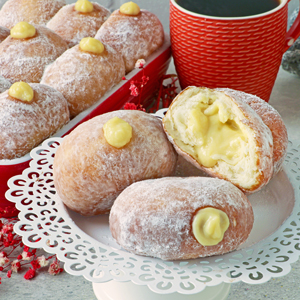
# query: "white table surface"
286,99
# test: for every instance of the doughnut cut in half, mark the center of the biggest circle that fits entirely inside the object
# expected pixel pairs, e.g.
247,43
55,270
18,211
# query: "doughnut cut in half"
168,218
272,119
221,135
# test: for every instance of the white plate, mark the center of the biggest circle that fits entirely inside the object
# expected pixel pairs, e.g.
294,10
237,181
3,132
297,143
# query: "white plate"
87,248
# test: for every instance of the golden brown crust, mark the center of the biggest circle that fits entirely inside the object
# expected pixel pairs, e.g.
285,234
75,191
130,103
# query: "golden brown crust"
37,12
26,59
261,136
154,217
273,120
89,173
24,125
83,77
135,37
72,25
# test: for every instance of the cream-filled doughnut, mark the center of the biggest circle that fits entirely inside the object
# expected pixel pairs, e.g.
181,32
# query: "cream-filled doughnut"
27,51
4,33
104,155
84,73
134,33
37,12
76,21
221,135
29,113
181,217
272,119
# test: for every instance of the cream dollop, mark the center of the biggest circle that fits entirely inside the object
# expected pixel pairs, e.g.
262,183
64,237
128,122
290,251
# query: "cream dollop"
130,8
92,45
209,226
117,132
84,6
22,30
21,91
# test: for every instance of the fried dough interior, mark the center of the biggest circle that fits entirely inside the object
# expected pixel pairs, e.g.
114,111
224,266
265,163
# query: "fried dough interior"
207,125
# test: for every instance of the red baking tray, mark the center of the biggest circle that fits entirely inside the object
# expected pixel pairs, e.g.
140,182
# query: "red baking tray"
156,66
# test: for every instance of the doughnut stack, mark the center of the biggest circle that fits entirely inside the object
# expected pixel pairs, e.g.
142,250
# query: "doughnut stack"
51,45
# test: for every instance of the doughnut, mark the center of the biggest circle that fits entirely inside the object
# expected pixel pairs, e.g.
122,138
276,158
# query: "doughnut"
134,36
25,58
222,135
107,153
174,218
4,84
29,113
4,33
272,119
73,24
37,12
83,76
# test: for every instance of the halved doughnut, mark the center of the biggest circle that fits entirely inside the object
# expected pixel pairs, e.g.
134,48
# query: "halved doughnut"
272,119
221,135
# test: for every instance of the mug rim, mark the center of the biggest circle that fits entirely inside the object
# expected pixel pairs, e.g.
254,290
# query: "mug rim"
282,4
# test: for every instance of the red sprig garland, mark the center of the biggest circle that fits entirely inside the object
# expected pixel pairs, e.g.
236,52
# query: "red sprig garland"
165,96
14,255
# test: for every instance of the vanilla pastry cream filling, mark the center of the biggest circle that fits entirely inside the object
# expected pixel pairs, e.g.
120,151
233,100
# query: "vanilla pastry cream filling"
84,6
21,91
92,45
117,132
209,226
130,8
217,136
206,125
22,30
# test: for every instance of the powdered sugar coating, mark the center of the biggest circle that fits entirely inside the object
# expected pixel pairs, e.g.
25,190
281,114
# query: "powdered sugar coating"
4,33
134,37
4,84
83,77
37,12
72,25
257,171
24,125
26,59
89,173
154,217
272,119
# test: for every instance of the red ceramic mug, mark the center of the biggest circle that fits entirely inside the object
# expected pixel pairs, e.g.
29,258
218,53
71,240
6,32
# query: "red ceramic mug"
242,53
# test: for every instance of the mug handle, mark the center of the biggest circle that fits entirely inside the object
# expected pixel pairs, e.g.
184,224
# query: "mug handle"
293,33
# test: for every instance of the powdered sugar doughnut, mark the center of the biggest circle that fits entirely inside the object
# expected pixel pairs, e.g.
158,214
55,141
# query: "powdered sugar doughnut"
4,84
83,77
272,119
72,25
134,36
89,173
25,125
155,217
37,12
26,59
222,135
4,33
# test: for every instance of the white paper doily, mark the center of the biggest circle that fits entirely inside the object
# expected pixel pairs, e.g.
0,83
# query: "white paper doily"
86,247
